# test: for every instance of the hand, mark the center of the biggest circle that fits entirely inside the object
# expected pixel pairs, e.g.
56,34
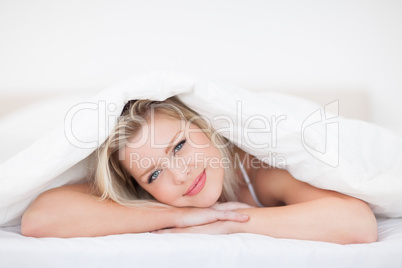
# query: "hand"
230,206
214,220
218,227
189,217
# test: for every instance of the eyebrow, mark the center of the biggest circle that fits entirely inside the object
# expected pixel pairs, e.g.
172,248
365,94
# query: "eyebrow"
171,143
168,148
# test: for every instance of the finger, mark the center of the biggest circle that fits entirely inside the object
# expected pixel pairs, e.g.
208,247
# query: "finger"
228,215
241,205
230,206
172,231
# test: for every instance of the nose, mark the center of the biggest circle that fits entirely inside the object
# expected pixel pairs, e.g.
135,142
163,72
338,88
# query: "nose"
180,174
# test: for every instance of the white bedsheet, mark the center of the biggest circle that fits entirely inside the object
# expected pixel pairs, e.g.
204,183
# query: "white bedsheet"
199,250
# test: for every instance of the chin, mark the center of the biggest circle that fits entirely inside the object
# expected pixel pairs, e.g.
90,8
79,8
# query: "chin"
205,205
208,202
201,204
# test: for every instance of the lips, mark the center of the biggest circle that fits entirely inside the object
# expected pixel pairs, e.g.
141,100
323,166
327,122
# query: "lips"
197,185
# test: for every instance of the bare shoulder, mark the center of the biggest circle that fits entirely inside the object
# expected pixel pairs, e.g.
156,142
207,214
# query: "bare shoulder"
269,184
57,198
261,176
280,187
86,188
277,187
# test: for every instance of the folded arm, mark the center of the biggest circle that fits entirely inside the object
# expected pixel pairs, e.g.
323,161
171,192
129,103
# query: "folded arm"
328,219
309,213
73,211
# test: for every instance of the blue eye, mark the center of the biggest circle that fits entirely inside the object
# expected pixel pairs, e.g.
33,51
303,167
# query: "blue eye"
179,146
153,176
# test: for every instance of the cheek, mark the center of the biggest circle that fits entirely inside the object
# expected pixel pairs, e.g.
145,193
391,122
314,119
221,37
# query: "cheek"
219,174
163,193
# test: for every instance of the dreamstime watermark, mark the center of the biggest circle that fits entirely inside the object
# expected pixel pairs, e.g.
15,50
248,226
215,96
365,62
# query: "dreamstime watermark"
87,125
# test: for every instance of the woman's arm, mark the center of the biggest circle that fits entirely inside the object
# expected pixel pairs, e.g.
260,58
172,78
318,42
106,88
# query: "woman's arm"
329,219
72,211
309,213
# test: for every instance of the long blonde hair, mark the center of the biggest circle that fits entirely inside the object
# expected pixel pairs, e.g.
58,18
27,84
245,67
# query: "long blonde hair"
113,182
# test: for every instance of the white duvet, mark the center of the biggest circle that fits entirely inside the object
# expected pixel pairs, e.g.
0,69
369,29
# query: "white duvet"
316,146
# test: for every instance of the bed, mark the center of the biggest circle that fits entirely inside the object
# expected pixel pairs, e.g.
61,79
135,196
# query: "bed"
180,250
19,127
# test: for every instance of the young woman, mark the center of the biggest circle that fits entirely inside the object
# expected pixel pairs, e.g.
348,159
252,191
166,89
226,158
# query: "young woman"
165,170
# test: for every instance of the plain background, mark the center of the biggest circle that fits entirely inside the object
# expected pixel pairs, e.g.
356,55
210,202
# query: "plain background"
321,45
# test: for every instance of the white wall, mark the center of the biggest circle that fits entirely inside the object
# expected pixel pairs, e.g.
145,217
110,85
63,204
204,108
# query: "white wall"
90,44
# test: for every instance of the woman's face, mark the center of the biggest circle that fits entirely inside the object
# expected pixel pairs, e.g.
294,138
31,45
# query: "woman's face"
175,162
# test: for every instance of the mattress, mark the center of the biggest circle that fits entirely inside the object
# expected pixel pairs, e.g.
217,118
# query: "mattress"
199,250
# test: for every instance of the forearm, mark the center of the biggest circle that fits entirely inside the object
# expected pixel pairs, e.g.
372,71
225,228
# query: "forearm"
75,214
72,211
328,219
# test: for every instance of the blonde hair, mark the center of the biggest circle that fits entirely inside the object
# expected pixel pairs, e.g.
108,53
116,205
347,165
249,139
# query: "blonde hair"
113,182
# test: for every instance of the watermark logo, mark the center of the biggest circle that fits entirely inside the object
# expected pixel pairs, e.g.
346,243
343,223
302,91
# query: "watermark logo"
328,118
319,131
99,116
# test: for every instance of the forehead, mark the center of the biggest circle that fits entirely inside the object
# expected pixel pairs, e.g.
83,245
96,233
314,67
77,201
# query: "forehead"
157,130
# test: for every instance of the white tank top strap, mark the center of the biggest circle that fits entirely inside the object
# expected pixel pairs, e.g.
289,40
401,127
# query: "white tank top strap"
249,185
